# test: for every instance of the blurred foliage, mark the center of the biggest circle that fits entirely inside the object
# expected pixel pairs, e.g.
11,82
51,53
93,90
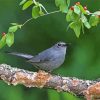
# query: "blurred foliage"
82,59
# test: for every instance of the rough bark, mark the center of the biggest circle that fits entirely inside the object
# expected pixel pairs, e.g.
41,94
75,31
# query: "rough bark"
88,88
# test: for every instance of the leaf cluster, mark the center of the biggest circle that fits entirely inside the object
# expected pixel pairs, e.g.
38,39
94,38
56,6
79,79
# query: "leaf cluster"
79,17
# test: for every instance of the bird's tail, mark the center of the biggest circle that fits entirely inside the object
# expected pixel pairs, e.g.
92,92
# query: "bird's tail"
22,55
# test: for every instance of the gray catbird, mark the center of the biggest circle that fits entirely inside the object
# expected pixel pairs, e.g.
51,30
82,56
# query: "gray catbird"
48,59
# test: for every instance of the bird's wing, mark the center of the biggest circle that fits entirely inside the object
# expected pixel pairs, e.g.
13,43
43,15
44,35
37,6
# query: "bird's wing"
42,57
38,60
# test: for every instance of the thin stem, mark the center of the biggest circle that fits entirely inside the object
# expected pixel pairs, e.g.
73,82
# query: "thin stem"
44,8
34,2
26,21
51,13
39,16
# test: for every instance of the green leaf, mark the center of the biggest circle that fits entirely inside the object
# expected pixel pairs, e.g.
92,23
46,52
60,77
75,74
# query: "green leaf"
64,8
83,18
12,29
63,5
10,39
97,13
58,2
82,9
68,2
71,16
14,24
94,20
3,41
76,26
77,10
87,25
22,2
85,21
82,28
35,12
41,12
17,25
27,4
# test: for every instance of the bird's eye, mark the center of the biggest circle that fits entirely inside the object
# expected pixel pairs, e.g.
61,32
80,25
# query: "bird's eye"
59,44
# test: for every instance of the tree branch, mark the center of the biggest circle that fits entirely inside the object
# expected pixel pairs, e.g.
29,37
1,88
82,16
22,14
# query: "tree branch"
87,88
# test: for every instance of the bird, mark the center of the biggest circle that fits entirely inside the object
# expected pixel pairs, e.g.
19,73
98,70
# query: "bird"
47,60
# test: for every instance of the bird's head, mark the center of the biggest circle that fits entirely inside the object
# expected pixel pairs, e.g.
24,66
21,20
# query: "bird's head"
61,46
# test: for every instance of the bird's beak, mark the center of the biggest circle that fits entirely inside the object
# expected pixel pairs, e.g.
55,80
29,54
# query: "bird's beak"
67,44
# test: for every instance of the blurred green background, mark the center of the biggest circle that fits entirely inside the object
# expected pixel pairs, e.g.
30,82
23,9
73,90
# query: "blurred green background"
82,59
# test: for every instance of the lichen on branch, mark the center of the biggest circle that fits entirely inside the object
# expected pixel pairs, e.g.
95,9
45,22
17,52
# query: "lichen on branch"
87,88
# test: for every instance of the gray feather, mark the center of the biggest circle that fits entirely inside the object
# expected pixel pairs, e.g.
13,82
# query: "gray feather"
26,56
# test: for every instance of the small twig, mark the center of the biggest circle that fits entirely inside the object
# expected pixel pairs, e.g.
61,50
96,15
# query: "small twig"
34,2
40,16
26,21
44,8
87,88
